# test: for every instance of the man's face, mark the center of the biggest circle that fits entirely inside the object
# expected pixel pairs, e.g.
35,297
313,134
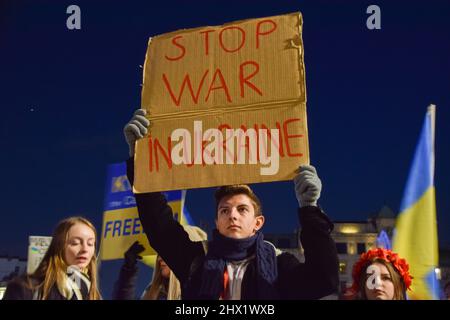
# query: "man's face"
236,217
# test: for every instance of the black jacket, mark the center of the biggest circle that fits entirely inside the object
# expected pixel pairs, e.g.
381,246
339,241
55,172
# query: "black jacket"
315,278
19,289
125,286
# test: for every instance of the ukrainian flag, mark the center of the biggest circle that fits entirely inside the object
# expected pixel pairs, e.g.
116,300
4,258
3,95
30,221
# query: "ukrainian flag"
186,218
415,236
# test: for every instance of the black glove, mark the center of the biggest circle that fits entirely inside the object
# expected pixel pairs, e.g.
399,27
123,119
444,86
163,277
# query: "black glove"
132,254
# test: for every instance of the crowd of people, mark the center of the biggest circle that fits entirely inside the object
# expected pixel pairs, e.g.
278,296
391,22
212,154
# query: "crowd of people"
235,264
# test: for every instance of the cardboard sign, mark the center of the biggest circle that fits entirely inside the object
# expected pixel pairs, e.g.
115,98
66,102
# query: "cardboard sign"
121,224
227,105
37,247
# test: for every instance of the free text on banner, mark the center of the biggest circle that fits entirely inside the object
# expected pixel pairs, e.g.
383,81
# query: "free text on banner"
121,224
227,105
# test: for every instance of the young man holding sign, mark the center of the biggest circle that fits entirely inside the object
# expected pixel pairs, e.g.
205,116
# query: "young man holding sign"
238,264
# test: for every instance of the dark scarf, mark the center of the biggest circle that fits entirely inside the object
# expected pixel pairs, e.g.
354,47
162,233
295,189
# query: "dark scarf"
223,249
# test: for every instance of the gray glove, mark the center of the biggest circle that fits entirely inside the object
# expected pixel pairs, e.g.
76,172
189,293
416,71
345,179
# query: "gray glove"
136,129
307,186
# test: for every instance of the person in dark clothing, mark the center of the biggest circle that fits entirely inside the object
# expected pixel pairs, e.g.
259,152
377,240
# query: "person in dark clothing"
124,288
447,291
164,284
238,264
68,270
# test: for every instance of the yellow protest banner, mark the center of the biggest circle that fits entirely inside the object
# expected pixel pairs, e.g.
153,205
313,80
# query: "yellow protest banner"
227,105
121,228
121,224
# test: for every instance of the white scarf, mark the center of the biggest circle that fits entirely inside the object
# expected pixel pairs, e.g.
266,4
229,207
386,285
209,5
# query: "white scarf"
73,283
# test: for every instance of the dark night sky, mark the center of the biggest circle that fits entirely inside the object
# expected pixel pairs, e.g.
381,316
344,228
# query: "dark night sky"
66,95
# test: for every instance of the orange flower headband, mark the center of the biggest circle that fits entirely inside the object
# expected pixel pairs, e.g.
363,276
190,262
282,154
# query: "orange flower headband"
400,265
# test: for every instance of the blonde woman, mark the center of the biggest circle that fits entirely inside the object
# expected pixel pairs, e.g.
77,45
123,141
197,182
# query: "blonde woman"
68,270
164,284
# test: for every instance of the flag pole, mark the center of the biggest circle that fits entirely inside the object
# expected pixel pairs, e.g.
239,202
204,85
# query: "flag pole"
432,110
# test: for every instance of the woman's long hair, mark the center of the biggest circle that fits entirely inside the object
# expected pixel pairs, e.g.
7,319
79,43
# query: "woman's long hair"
158,284
53,267
173,285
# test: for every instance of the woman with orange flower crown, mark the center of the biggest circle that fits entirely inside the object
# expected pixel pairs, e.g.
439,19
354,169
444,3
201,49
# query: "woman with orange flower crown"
380,274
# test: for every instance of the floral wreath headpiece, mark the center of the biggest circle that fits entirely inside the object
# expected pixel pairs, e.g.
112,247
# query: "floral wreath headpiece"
399,264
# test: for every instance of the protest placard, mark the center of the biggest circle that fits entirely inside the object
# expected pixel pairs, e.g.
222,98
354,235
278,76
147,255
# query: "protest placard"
227,105
37,247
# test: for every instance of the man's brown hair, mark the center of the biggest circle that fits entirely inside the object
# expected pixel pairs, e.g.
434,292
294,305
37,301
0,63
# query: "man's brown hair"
226,191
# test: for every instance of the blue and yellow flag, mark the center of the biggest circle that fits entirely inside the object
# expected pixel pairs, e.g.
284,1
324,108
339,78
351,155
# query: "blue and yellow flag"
415,236
121,224
383,240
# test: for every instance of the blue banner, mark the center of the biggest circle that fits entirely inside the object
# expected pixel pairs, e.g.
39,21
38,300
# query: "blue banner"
119,193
